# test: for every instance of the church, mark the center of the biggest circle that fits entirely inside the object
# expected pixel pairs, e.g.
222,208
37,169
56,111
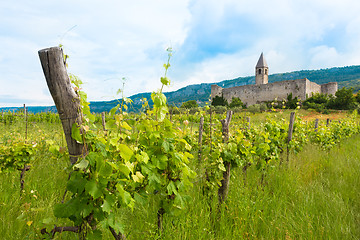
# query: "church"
262,91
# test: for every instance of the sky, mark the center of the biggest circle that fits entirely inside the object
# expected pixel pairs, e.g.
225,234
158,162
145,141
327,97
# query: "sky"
114,44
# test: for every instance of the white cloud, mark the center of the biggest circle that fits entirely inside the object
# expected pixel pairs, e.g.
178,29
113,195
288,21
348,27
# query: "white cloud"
213,40
323,56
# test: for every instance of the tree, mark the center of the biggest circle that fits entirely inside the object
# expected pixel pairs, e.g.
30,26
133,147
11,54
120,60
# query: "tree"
219,101
189,104
236,102
344,100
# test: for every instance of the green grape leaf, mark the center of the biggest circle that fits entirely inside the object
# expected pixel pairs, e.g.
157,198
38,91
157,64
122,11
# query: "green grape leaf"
94,235
126,126
76,183
142,157
126,197
108,204
75,133
106,170
165,146
93,189
113,110
124,169
171,188
125,152
138,177
165,80
82,164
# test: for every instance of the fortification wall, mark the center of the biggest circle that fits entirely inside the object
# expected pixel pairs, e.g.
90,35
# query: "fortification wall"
216,91
252,94
311,88
329,88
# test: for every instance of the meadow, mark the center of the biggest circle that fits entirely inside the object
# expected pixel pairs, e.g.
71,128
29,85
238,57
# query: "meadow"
313,195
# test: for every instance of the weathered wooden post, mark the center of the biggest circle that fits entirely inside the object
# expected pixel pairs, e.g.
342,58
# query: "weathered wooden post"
248,122
103,120
224,188
290,132
210,130
291,126
316,124
26,123
201,126
327,122
67,102
171,113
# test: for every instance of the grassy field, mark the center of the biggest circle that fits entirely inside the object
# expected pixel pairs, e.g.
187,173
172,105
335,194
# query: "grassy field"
315,196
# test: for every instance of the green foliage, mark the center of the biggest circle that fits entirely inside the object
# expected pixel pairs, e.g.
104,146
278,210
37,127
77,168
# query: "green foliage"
219,101
344,99
122,167
189,104
292,103
15,156
236,102
136,167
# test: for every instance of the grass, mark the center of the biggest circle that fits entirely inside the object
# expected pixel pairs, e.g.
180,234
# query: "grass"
315,196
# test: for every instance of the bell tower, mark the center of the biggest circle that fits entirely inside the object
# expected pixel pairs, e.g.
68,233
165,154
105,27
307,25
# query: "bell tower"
261,71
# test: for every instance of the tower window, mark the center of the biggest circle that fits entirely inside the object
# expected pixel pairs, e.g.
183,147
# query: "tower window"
259,71
266,72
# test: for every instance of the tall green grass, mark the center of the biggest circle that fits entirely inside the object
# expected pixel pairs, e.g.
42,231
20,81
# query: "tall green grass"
315,196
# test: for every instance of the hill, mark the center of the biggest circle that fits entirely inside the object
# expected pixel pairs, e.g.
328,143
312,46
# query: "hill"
345,76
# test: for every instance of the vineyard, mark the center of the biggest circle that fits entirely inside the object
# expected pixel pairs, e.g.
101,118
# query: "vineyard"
158,175
153,178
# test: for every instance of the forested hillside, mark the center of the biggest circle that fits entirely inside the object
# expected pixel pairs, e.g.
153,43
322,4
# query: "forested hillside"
345,76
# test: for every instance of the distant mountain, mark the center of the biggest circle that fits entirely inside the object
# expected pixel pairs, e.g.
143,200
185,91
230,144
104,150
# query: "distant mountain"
345,76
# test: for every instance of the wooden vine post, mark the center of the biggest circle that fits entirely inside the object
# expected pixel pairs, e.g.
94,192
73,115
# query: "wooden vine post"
103,120
316,124
327,122
224,188
26,122
290,132
210,129
248,123
201,126
66,100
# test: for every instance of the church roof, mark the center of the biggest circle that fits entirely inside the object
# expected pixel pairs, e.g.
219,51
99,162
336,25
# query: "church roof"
262,62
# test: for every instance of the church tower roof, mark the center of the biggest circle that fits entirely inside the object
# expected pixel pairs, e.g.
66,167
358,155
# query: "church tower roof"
262,62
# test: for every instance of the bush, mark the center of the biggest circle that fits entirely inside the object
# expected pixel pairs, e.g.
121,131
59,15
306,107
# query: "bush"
237,109
219,101
263,107
291,102
254,108
236,102
189,104
317,101
220,109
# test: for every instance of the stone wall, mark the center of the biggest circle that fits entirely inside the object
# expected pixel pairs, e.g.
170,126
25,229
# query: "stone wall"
253,94
311,88
216,91
329,88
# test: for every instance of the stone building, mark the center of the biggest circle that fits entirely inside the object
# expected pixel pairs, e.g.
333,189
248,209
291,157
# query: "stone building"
263,91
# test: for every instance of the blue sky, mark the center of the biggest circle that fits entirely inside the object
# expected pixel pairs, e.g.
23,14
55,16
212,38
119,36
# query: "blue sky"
212,41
